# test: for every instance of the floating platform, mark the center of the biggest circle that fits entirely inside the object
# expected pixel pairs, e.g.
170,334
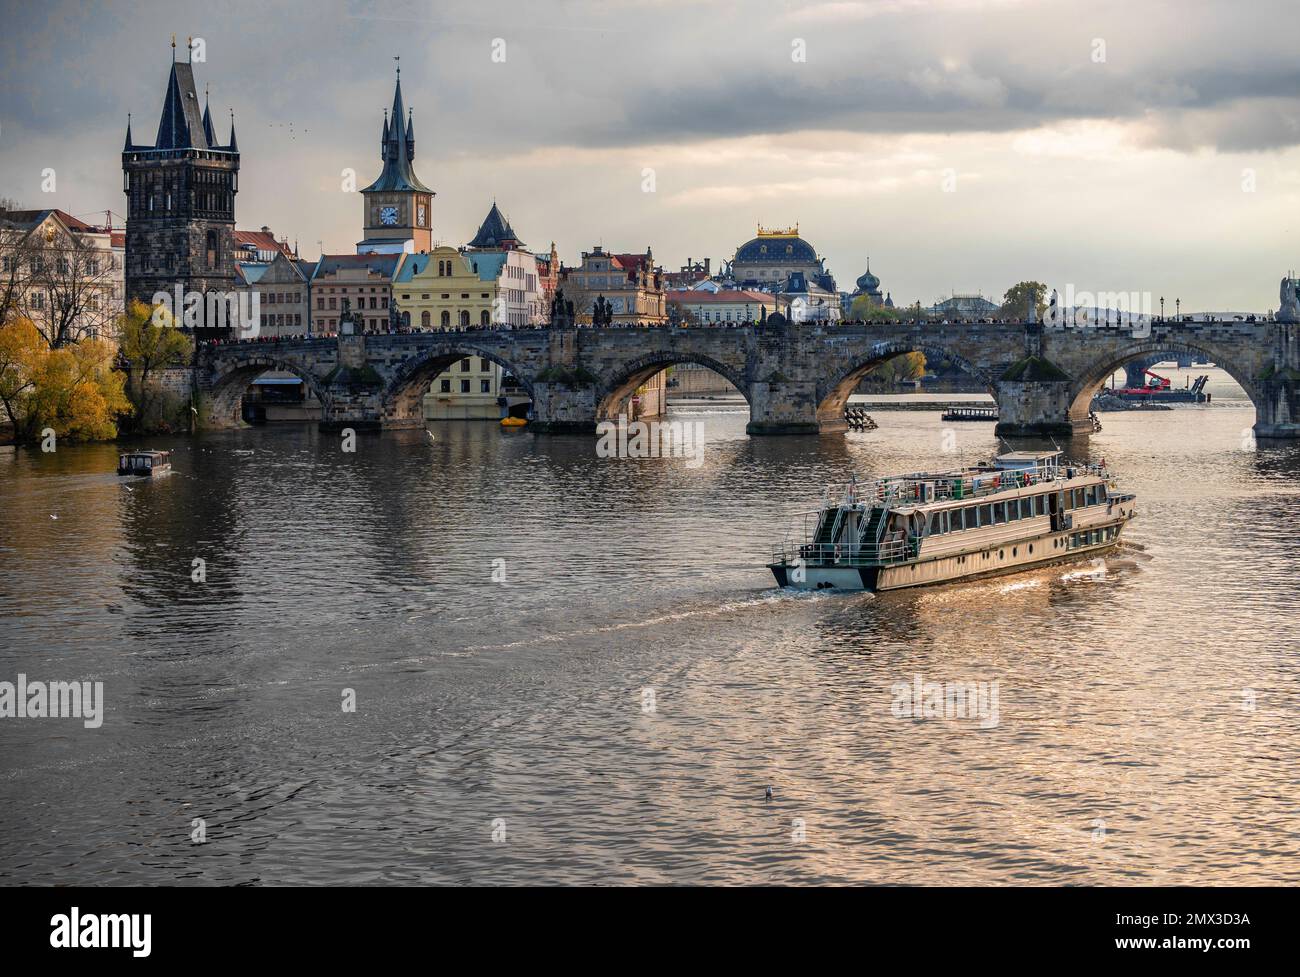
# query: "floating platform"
971,414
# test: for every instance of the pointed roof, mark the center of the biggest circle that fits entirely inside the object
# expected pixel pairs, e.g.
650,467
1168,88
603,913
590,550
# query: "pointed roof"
208,132
181,125
495,231
234,144
398,153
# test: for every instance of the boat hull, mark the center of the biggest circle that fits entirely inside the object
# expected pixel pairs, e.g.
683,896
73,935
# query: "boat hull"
996,561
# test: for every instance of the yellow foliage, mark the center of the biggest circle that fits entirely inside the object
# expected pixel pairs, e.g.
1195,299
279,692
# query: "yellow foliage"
73,389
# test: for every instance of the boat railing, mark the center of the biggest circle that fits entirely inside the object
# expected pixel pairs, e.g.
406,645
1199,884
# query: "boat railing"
903,489
886,551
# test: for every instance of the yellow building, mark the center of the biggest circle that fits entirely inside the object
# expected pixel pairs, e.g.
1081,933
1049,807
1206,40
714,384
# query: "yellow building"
446,289
451,289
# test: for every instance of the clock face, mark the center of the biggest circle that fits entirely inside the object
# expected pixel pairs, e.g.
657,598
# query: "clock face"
419,211
388,215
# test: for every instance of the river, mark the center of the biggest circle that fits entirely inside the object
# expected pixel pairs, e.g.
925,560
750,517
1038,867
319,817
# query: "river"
573,669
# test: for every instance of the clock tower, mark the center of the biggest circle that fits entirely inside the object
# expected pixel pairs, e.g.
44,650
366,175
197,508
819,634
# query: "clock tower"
398,207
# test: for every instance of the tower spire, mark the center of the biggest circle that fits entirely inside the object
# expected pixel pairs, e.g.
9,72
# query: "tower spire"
234,146
127,147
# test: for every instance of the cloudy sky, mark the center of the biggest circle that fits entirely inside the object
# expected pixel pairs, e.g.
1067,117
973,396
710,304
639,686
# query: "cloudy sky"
1114,145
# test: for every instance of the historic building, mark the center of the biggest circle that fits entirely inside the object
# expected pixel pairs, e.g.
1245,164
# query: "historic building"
965,307
805,300
631,283
69,274
689,306
283,289
180,193
362,283
768,260
398,208
520,300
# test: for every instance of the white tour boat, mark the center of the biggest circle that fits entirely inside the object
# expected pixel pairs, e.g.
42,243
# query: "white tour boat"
1026,509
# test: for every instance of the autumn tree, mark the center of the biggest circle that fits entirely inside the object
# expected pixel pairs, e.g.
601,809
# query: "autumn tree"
72,390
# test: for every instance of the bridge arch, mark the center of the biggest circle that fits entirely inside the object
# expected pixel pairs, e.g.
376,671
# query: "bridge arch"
232,377
403,398
1090,381
834,392
614,390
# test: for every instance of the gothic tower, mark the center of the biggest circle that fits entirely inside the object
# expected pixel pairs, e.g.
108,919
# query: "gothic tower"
180,195
398,207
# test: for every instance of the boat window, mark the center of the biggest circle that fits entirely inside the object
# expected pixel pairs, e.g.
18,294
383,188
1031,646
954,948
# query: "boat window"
1092,495
936,523
986,515
999,512
1026,507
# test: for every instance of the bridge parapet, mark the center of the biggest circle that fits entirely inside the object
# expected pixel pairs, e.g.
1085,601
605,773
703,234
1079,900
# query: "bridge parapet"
796,377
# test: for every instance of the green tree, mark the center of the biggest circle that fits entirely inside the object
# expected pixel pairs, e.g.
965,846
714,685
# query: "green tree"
1015,304
864,309
148,347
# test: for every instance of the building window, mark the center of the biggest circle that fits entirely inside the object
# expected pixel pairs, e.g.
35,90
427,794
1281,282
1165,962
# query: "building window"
446,320
464,386
426,320
464,317
446,386
484,319
464,365
485,386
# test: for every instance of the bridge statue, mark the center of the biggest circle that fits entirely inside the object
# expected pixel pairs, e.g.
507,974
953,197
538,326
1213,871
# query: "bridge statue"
561,311
1288,309
602,313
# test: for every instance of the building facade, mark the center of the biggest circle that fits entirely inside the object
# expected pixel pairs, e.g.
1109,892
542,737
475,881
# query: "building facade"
770,259
704,306
283,290
631,283
362,283
64,275
180,193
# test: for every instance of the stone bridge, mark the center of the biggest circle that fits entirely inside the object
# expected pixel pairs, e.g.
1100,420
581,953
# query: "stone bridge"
796,377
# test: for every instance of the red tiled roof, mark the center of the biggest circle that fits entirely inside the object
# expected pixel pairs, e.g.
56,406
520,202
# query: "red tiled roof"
261,241
630,262
31,218
726,296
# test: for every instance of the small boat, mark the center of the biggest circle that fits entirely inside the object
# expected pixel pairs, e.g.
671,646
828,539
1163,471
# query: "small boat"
1027,508
144,463
513,422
